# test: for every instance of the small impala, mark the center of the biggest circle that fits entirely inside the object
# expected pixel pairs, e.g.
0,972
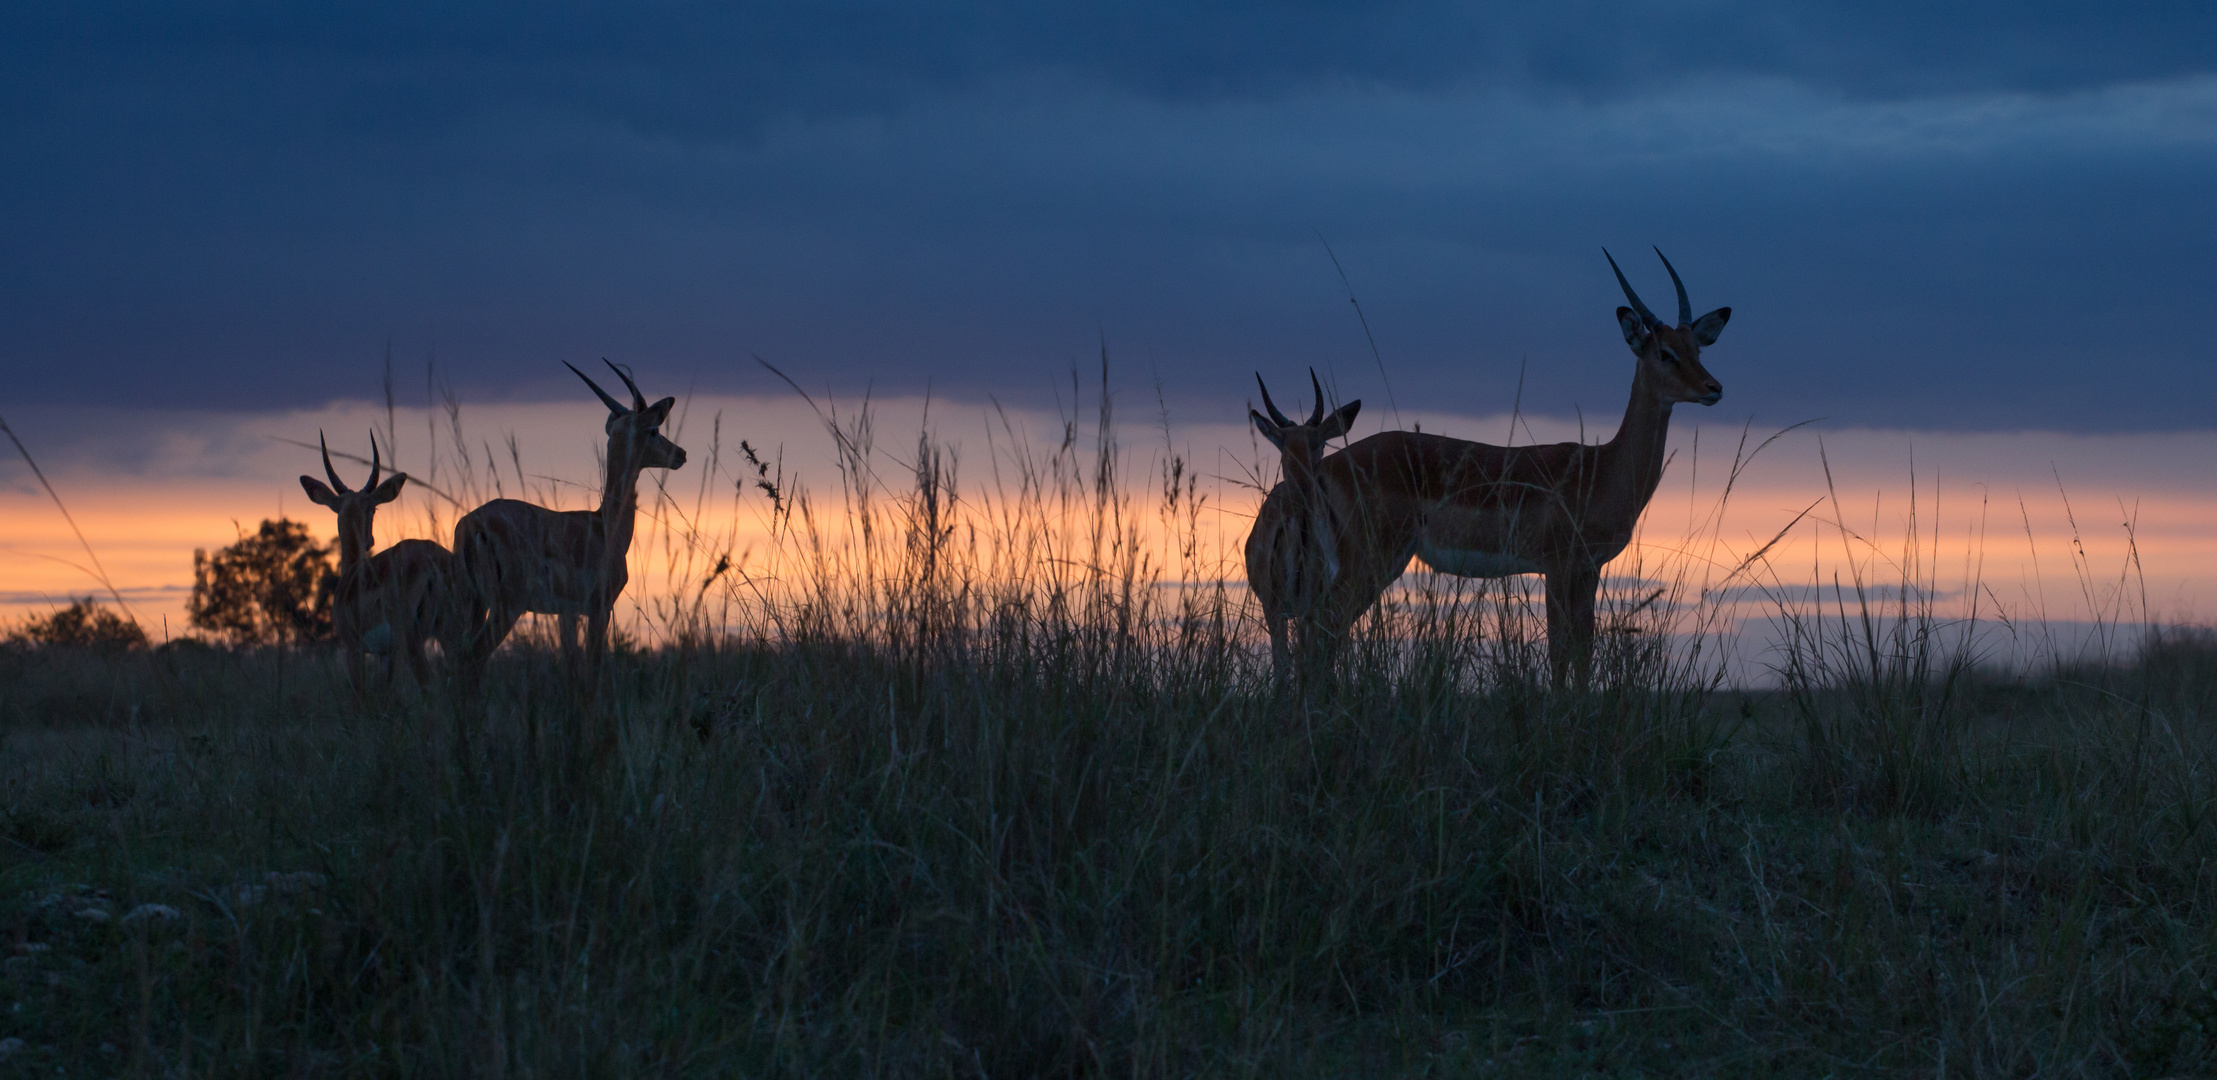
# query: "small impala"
1293,550
522,557
397,599
1480,511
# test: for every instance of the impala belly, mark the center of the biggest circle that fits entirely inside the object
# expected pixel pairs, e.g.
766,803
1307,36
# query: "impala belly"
1471,562
1475,543
560,590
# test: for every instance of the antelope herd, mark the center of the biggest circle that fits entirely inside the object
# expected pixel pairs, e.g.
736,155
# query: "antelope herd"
1474,510
510,557
1328,540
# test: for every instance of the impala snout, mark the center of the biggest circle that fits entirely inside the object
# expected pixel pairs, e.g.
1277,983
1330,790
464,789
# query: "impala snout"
1715,394
662,454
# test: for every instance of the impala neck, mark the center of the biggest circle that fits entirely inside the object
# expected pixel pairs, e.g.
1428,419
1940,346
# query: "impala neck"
354,542
1301,473
1633,460
619,500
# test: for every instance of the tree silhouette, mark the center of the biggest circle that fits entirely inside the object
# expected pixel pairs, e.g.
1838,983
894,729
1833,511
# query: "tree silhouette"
271,588
84,625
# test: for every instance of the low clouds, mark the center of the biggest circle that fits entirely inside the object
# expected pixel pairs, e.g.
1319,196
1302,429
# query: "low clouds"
1978,218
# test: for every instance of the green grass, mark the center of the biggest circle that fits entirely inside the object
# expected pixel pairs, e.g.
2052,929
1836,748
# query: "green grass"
947,808
877,867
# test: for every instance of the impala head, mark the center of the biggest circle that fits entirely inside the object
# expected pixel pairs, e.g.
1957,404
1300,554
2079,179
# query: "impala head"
354,508
635,433
1302,442
1671,355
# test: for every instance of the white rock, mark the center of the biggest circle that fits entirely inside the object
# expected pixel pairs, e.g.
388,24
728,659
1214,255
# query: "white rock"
10,1046
93,914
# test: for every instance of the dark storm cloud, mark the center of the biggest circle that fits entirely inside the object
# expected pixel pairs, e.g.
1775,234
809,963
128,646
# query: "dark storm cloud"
1950,215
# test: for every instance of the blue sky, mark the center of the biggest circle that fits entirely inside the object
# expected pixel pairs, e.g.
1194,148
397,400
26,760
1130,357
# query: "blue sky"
1972,216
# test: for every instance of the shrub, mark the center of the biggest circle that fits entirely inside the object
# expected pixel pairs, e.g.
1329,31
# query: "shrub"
85,625
270,588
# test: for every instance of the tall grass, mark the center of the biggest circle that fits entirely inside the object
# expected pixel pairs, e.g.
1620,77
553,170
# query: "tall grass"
976,769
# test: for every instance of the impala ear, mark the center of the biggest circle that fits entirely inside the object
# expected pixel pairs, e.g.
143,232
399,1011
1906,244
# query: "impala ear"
318,493
1707,327
660,410
389,490
1635,331
1270,431
1337,424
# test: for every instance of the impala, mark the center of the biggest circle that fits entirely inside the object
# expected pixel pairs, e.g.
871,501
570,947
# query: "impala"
397,599
521,557
1293,550
1480,511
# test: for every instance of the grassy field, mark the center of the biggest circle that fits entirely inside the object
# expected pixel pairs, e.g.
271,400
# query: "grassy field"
967,800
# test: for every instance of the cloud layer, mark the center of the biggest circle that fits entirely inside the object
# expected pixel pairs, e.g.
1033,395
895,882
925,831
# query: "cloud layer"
1993,216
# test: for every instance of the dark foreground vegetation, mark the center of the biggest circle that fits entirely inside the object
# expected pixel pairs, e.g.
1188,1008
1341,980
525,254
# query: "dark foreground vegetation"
973,801
822,859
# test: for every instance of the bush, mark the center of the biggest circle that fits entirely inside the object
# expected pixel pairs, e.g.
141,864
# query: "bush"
84,625
271,588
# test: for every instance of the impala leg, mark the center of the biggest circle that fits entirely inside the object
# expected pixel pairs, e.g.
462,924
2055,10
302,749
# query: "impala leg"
1570,600
596,637
419,664
1321,635
491,631
567,625
596,648
1281,650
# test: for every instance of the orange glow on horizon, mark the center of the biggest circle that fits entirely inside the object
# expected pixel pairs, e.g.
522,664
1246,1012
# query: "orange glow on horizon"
200,491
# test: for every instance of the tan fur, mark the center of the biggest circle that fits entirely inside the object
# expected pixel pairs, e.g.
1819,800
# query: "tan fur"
393,602
1476,510
520,557
1293,549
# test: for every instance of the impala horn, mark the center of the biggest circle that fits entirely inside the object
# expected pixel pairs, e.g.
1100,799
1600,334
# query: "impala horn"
1317,415
1685,307
614,406
639,400
336,484
1646,316
1276,417
375,466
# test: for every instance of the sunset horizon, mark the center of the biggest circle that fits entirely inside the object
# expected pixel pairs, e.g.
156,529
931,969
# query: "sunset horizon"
973,538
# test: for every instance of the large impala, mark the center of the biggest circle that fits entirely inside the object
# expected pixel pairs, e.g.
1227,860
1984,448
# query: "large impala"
1292,552
521,557
1481,511
394,601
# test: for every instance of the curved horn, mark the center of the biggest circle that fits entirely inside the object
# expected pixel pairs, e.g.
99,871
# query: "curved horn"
1276,417
374,464
1685,307
638,400
614,406
1645,315
1317,416
336,484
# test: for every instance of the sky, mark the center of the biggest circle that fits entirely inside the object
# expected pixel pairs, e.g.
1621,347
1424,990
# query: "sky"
1983,216
1972,238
